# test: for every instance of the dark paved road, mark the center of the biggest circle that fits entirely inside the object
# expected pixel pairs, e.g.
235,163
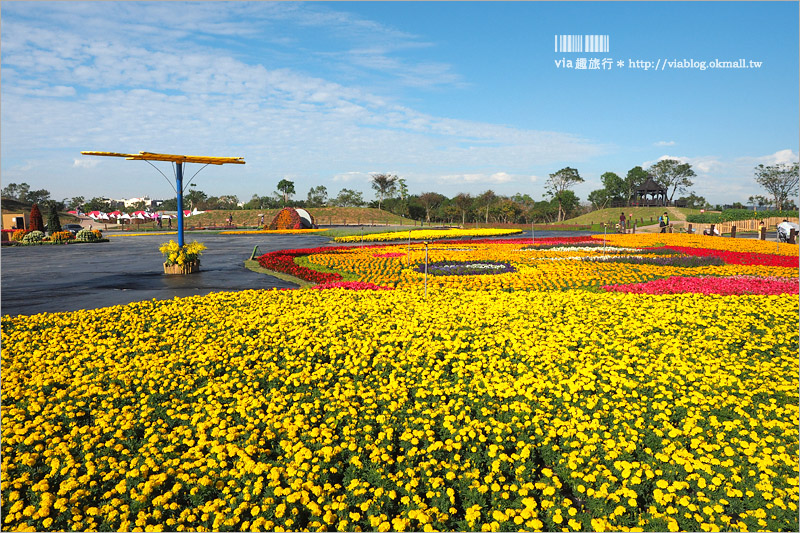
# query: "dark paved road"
38,279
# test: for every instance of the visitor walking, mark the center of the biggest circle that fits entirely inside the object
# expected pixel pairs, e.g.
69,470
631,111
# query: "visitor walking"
663,222
622,222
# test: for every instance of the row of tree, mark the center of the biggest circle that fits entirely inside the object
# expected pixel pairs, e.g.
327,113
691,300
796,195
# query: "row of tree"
560,202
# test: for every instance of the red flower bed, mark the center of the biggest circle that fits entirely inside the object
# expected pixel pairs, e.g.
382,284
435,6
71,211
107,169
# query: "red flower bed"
353,286
711,285
389,254
741,258
283,261
527,240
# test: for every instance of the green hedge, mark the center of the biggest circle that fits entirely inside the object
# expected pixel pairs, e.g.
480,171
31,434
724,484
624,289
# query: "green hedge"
730,215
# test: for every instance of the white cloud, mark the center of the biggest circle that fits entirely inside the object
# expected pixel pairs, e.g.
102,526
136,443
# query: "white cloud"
353,176
702,164
494,178
781,157
85,163
664,143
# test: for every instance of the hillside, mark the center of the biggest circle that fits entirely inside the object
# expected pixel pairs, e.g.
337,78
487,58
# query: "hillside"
643,215
324,216
9,205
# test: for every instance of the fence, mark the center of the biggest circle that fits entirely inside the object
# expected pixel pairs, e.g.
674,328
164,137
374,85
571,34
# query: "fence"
747,225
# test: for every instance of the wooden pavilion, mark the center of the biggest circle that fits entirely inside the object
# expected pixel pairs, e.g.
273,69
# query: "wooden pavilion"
650,194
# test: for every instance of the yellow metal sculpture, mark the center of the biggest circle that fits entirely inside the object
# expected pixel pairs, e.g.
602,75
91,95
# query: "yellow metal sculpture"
150,156
178,160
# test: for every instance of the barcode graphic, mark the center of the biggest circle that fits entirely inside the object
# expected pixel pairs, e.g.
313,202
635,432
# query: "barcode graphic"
581,43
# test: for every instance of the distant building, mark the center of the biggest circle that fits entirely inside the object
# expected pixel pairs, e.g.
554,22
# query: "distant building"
148,202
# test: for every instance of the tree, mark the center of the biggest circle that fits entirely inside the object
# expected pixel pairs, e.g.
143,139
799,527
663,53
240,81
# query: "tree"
560,182
53,222
37,197
401,207
16,191
781,181
349,198
485,201
598,198
317,196
37,224
430,201
634,179
286,188
463,202
695,202
97,204
384,185
615,187
76,202
195,198
672,174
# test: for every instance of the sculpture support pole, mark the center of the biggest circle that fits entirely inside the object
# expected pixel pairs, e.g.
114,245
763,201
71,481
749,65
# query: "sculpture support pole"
179,187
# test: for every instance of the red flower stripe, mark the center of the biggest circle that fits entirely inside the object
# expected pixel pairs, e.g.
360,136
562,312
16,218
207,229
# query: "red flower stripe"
353,286
711,285
741,258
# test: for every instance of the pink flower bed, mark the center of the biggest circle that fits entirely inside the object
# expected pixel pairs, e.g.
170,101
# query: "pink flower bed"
389,254
352,285
711,285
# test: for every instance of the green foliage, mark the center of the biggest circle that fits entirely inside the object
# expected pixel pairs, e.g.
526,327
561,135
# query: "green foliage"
53,222
33,236
730,215
86,235
781,181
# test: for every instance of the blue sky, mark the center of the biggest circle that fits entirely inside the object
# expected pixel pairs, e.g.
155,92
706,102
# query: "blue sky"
453,97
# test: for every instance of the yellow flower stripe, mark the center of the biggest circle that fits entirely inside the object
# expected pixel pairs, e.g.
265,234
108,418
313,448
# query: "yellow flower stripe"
152,233
422,234
279,231
471,411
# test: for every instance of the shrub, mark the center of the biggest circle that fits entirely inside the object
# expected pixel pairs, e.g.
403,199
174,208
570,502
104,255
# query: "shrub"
87,235
53,223
33,236
18,234
61,236
37,224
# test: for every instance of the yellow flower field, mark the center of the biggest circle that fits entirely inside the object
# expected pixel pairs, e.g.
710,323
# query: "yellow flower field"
272,231
422,234
478,408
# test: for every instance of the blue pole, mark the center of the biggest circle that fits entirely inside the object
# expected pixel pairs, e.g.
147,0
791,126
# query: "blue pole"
179,187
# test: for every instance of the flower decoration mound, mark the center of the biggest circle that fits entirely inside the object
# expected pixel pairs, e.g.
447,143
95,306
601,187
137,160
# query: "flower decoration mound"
352,285
181,255
289,219
466,268
711,285
350,410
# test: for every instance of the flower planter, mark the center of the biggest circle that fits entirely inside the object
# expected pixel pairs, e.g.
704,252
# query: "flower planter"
186,268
